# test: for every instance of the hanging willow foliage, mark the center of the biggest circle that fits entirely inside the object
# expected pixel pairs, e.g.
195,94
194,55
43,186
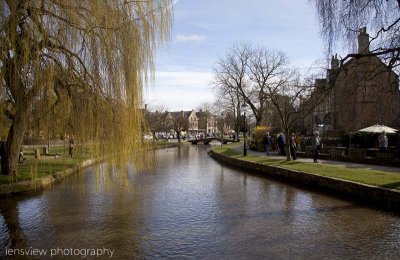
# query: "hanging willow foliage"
78,67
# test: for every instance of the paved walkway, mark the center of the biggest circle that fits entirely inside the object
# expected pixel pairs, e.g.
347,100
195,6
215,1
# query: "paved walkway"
239,148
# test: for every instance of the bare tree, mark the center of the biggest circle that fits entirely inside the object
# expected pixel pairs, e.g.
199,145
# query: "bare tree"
209,107
341,20
268,85
229,102
88,58
267,71
246,72
157,121
179,123
230,76
293,100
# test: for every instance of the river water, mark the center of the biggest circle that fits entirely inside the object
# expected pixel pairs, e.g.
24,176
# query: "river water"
190,206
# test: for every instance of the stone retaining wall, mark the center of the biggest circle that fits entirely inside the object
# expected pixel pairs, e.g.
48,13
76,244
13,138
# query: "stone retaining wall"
371,195
41,183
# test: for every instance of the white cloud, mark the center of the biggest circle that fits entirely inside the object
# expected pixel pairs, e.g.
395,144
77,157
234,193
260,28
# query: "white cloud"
178,90
190,38
184,78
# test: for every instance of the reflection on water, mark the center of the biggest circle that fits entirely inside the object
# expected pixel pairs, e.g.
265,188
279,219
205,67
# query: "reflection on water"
191,206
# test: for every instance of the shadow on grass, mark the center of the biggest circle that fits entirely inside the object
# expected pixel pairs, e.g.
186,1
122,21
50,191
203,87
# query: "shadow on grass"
393,185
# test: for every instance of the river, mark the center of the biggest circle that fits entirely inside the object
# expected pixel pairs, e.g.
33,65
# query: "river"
190,206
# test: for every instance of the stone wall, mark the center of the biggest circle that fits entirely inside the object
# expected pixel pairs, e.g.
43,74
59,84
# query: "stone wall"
371,195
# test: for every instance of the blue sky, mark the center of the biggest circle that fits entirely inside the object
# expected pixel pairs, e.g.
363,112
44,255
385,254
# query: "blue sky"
204,30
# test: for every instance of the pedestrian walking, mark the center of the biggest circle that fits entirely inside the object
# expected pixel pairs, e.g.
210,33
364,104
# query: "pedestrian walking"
281,144
293,146
267,143
273,144
317,146
71,147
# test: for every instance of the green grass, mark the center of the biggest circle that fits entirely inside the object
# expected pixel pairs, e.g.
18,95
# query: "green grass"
164,144
32,169
225,150
47,165
229,145
360,175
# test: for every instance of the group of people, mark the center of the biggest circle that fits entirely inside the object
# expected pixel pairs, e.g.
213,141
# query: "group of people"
270,143
316,143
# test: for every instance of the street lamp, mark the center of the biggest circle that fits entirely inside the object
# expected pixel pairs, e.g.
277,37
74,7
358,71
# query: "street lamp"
244,106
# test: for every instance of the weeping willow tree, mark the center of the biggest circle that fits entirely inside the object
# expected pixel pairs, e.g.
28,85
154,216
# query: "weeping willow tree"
79,67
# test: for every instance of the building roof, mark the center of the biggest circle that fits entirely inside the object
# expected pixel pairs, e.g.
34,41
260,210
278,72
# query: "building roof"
177,114
203,114
367,59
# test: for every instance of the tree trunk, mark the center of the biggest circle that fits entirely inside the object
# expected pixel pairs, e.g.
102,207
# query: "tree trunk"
258,120
9,159
238,120
155,138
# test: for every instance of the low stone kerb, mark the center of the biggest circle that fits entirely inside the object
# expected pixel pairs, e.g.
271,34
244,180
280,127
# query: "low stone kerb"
373,195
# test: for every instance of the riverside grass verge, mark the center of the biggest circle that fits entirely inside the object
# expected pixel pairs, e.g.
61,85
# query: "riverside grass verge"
31,168
358,175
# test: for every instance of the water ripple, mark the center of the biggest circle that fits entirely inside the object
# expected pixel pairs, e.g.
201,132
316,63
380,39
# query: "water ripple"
192,207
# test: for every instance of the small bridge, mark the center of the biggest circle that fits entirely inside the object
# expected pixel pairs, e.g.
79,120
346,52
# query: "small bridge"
208,140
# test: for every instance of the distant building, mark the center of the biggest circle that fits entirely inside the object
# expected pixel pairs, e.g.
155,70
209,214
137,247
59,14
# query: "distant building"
188,120
208,123
364,92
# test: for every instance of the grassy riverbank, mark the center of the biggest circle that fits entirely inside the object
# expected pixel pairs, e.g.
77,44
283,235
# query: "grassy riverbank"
365,176
57,161
32,168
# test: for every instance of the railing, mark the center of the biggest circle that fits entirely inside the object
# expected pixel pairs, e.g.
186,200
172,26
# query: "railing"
358,155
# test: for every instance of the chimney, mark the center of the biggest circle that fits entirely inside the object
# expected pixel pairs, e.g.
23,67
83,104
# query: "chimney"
363,41
334,62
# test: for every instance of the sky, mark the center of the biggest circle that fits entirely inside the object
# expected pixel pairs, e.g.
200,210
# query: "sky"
205,30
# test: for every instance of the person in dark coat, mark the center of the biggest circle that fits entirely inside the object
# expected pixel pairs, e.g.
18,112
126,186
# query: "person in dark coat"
71,147
267,140
281,144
